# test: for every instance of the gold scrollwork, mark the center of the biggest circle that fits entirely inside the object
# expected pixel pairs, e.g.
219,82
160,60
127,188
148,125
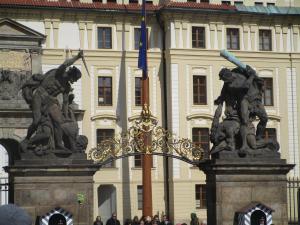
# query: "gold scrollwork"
146,137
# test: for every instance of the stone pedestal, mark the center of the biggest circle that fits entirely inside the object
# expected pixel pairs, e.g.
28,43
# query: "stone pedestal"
233,184
41,186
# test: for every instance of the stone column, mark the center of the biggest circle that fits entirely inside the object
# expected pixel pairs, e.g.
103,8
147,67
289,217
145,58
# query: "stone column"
233,184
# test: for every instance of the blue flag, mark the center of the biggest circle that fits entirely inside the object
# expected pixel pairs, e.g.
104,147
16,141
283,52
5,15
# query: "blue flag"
143,43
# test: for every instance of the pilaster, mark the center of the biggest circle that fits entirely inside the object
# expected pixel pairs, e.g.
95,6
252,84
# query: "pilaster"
48,26
253,36
55,25
285,38
296,40
81,26
278,37
220,35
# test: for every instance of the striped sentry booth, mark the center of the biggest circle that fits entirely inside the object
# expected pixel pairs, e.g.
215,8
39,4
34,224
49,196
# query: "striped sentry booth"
68,216
245,213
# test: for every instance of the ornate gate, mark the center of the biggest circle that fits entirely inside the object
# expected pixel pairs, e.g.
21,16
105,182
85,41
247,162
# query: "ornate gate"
146,137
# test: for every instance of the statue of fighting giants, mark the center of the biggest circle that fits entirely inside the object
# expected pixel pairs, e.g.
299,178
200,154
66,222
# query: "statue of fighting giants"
54,128
242,94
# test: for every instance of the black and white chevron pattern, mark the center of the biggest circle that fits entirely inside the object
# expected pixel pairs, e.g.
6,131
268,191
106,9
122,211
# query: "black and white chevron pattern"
267,211
68,216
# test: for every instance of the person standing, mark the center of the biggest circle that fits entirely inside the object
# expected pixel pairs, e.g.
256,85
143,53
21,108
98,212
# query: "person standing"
135,221
165,221
98,221
113,220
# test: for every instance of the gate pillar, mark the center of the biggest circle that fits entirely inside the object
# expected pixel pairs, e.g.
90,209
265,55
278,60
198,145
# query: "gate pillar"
55,186
233,184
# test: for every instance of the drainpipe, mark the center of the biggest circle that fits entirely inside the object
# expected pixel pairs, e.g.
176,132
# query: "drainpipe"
165,116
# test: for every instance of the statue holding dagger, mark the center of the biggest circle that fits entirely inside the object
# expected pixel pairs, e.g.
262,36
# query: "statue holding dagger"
52,129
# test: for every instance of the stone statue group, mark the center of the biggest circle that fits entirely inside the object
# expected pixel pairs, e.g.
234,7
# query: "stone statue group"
54,127
236,134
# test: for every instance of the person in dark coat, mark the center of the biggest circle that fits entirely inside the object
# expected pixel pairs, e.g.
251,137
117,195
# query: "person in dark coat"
165,221
98,221
135,220
113,220
194,219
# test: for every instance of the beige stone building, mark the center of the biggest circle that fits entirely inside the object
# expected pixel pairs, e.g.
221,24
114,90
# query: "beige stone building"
185,38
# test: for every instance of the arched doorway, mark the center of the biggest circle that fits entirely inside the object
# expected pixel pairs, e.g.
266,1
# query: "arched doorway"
4,161
107,201
57,219
258,217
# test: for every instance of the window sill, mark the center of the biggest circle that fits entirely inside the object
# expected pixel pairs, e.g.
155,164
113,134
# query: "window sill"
110,168
140,168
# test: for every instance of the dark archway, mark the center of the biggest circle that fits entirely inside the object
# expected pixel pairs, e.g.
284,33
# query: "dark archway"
257,216
57,219
13,148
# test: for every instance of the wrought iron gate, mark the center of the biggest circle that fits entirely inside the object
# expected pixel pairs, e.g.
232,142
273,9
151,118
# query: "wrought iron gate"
4,188
293,187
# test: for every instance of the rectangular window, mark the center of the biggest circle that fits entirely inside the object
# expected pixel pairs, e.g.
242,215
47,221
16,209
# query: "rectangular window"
191,0
133,1
104,134
265,40
226,2
200,196
270,134
198,37
267,97
270,4
111,0
238,3
199,90
233,38
258,3
200,137
138,91
138,161
137,37
140,197
104,37
104,91
204,1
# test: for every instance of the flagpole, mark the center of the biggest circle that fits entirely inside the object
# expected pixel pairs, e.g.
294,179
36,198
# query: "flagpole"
146,158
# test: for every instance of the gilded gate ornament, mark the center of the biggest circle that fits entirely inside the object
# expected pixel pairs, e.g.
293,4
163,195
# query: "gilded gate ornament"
158,142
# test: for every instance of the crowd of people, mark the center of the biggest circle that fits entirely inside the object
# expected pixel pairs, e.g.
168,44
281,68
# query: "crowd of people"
147,220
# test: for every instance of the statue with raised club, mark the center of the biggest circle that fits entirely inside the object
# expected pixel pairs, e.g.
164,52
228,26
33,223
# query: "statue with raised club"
242,94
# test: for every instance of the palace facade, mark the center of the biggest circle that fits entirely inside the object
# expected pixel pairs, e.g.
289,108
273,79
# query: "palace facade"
184,41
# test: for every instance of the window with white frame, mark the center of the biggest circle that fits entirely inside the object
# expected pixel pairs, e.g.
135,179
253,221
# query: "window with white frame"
198,37
233,38
265,40
104,38
200,196
140,197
